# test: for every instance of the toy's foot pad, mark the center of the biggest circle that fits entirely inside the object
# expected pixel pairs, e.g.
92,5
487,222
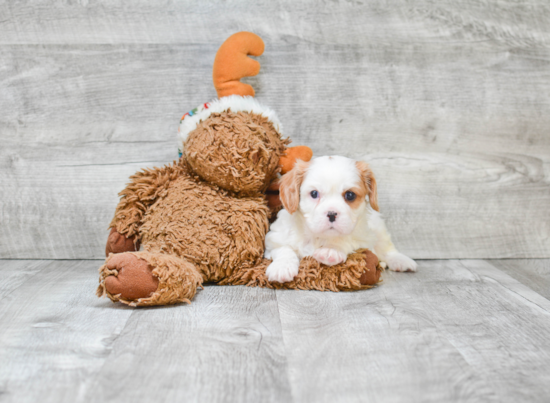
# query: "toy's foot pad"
134,280
372,275
118,243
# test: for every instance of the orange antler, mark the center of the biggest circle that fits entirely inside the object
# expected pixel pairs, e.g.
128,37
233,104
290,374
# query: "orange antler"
232,63
292,154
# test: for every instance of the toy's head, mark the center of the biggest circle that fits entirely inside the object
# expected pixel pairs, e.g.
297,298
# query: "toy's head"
236,147
234,141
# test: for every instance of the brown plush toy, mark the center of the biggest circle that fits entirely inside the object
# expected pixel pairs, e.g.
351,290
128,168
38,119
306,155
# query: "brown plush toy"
204,218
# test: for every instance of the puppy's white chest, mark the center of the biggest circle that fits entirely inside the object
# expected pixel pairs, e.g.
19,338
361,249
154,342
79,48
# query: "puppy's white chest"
307,249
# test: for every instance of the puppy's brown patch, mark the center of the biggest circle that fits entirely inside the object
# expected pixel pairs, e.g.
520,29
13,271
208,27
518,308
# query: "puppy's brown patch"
369,182
289,188
361,191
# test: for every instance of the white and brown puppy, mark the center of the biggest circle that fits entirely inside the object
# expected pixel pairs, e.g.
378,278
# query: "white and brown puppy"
331,210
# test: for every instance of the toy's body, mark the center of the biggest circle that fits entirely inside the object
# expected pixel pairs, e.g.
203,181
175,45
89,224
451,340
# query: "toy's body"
205,217
209,227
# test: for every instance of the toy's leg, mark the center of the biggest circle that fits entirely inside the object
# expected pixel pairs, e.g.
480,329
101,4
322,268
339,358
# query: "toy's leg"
145,279
361,270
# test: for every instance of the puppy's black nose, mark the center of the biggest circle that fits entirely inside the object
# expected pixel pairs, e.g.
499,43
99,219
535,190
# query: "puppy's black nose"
332,216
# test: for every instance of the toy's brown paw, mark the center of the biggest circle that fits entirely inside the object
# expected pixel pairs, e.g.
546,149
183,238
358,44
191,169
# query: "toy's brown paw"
134,280
371,276
118,243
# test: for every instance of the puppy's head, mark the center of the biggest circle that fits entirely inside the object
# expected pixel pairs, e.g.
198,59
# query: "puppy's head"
330,192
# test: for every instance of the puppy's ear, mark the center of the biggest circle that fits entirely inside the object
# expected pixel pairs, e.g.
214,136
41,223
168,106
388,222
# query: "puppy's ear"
289,189
369,181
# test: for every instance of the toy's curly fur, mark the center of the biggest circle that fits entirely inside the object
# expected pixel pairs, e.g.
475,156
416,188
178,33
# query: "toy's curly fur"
208,226
144,189
237,151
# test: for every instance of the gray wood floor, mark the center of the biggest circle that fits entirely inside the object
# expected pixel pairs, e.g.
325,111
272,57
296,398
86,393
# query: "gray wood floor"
458,330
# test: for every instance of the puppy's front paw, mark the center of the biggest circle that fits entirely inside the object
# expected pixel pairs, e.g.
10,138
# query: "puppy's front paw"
282,270
328,256
399,262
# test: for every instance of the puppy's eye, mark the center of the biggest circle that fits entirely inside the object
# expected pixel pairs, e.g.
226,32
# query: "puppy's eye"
350,196
314,194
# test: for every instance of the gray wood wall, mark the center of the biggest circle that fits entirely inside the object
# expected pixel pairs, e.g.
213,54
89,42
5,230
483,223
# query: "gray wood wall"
449,100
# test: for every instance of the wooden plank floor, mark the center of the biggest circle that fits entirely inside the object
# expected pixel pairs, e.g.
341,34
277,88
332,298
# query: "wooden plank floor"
456,331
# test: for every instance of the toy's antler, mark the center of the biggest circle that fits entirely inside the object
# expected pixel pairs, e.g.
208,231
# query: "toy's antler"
292,154
232,63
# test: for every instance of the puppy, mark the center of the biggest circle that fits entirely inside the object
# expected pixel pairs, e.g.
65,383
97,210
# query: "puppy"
326,215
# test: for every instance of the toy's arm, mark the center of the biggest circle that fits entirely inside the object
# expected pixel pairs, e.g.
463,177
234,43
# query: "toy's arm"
143,190
361,270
